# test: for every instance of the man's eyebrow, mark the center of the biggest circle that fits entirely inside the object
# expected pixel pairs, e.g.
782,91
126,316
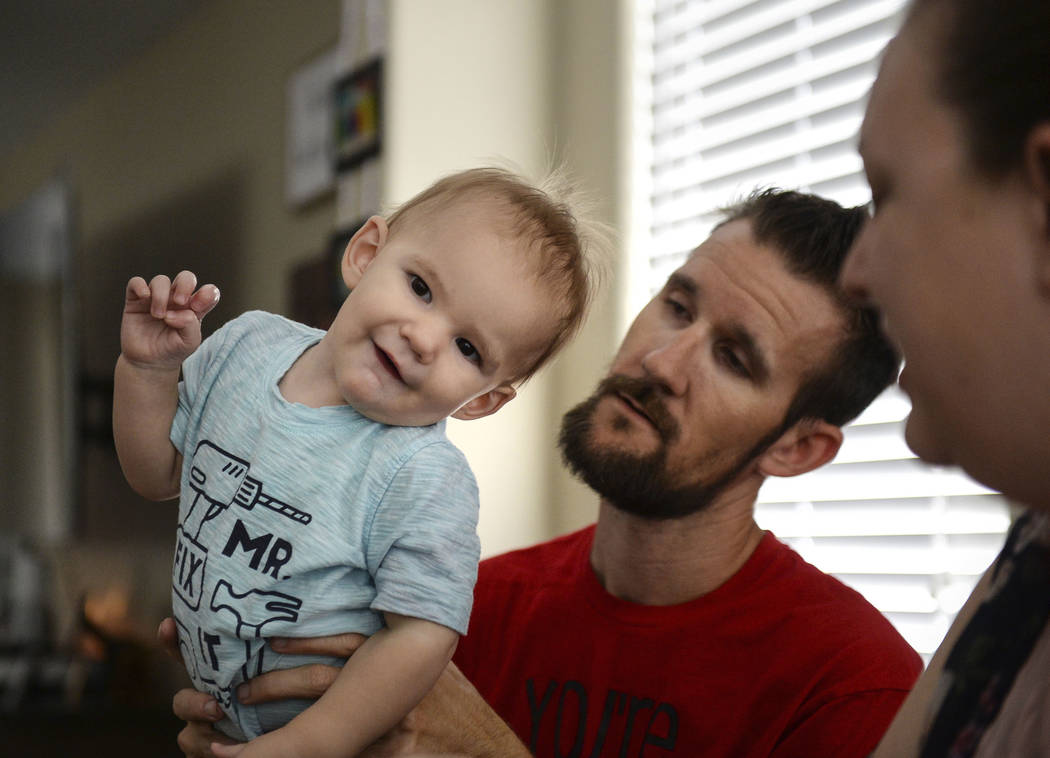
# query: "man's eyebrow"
686,284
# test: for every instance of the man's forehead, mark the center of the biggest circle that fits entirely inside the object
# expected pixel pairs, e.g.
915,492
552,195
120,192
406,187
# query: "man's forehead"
751,283
732,256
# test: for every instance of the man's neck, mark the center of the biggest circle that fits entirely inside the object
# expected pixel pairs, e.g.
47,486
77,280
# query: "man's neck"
675,560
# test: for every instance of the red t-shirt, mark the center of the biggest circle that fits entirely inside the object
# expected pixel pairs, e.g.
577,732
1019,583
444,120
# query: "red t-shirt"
782,660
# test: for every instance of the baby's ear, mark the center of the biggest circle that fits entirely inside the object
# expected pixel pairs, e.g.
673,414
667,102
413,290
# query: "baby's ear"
486,404
362,249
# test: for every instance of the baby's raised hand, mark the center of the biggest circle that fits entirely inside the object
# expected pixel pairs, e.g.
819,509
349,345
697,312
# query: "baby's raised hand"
162,320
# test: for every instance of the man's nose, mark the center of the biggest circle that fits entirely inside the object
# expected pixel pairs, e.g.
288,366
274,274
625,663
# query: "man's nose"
673,363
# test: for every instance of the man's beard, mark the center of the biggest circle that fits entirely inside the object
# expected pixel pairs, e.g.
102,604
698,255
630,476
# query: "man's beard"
641,484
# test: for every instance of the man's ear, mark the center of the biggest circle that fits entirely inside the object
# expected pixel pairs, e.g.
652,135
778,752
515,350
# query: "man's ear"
807,445
362,249
486,404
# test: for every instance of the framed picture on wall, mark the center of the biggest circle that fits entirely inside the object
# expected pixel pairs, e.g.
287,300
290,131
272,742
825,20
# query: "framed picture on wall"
359,115
309,168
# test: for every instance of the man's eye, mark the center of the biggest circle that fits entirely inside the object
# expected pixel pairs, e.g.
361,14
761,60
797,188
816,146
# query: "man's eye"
732,360
469,351
677,309
419,287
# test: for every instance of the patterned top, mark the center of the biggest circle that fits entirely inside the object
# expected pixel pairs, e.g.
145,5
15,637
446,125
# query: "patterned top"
989,678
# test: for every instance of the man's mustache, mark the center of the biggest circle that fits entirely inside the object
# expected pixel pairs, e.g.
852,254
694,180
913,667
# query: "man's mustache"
648,395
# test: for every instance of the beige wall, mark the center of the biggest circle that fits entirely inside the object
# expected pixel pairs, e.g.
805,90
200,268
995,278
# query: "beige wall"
593,40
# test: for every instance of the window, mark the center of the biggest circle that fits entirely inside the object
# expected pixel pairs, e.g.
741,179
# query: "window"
734,94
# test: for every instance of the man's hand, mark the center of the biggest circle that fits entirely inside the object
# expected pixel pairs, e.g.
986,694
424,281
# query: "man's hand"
162,320
200,710
452,721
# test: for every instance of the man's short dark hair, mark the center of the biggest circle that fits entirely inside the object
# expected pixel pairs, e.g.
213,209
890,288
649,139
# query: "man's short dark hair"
993,66
814,234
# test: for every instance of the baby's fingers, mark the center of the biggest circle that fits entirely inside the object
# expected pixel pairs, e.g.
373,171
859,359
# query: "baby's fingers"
182,288
160,292
204,299
225,751
136,292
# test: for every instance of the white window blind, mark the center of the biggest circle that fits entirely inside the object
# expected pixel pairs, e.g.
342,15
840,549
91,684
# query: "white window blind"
735,94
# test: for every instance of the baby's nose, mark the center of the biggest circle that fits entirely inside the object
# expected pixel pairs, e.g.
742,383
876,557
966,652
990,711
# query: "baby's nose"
423,338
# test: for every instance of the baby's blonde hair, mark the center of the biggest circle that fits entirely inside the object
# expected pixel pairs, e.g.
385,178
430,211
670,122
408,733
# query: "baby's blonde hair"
550,218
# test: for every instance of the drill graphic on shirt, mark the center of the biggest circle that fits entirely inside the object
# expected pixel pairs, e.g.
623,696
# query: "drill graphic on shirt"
219,480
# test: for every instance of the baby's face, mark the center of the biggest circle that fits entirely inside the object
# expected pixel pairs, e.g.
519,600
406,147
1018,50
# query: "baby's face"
442,319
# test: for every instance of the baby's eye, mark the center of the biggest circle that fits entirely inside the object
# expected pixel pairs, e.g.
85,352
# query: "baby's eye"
469,351
419,287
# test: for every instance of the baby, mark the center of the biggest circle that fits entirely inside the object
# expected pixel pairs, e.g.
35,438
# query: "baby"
318,492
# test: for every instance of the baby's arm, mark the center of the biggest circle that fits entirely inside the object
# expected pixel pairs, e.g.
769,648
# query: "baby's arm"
384,679
161,327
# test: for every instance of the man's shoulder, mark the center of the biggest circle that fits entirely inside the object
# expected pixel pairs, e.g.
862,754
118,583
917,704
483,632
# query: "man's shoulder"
834,611
815,587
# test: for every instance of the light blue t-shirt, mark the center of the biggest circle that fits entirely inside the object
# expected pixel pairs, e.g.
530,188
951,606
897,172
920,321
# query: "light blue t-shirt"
302,522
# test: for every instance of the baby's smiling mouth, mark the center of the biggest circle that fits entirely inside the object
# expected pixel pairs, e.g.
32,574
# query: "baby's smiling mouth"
386,362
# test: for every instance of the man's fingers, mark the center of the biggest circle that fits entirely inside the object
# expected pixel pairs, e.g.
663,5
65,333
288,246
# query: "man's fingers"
168,638
190,705
195,740
338,645
199,710
224,750
309,682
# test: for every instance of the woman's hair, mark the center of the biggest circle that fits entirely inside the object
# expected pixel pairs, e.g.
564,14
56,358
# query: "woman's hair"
993,67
